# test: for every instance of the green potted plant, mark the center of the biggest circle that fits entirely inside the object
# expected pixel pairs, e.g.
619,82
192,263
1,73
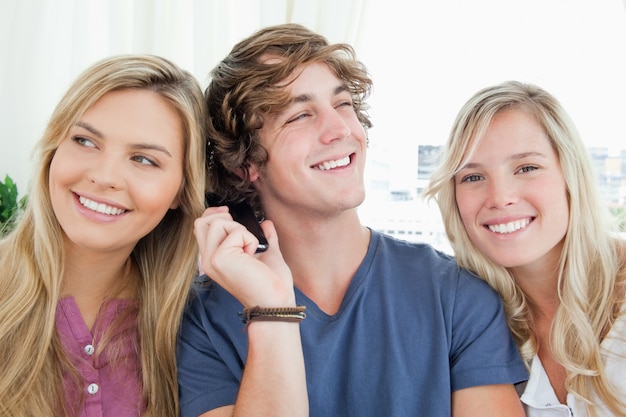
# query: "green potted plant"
10,205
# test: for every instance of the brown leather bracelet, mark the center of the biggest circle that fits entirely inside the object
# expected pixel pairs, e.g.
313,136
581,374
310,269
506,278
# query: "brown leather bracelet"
286,314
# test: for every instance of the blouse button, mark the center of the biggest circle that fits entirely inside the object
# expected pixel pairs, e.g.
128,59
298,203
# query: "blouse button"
89,350
92,389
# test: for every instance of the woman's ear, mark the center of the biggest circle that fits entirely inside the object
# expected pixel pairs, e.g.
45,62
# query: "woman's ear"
179,196
175,203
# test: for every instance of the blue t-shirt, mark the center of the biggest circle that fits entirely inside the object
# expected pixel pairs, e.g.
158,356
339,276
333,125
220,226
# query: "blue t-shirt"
412,328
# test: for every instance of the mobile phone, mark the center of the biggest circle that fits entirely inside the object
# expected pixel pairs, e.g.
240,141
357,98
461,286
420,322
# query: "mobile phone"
243,213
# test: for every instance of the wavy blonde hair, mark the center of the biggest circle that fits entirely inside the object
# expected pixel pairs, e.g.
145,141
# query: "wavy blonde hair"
32,256
592,265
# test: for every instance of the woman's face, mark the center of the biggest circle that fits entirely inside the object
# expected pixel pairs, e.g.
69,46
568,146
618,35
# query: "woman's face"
512,194
118,172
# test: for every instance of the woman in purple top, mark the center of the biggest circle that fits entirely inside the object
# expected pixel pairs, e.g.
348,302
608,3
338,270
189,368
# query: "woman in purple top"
96,273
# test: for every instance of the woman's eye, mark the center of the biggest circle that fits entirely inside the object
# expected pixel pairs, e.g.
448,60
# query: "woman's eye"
471,178
83,141
143,160
528,168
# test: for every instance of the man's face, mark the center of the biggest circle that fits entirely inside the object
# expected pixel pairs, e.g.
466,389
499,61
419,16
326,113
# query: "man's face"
316,149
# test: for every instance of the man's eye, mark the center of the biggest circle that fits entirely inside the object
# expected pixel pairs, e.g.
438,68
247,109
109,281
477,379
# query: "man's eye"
297,117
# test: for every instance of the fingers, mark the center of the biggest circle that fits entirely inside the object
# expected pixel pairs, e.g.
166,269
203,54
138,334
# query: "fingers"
273,257
270,232
227,255
215,231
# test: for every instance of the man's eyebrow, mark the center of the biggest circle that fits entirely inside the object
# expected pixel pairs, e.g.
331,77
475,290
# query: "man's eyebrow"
142,146
90,128
303,98
340,89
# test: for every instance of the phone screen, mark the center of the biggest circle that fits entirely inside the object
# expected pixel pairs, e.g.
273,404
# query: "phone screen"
243,213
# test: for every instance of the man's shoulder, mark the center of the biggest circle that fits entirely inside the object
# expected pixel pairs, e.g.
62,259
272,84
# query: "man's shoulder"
401,243
413,252
425,260
206,292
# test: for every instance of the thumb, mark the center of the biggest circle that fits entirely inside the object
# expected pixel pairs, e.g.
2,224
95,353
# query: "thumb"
270,232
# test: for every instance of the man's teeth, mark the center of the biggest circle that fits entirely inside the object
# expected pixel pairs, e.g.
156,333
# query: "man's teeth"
334,164
509,227
99,207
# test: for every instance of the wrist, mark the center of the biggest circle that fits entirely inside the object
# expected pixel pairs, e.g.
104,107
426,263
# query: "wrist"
281,314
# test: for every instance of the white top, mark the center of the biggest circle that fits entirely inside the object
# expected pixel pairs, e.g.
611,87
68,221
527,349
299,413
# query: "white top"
539,398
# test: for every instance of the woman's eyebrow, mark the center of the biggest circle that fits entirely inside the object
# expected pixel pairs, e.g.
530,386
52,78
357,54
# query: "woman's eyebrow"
146,146
523,155
514,157
150,147
90,128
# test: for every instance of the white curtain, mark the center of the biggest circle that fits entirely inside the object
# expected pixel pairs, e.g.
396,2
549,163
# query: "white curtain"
426,58
45,44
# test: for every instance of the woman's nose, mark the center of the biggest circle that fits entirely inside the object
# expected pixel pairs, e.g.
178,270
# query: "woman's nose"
106,173
501,193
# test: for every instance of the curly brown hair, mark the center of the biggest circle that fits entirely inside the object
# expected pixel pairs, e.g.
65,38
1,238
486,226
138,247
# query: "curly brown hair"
245,86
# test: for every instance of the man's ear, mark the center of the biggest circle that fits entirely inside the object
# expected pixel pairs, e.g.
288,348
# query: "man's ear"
253,172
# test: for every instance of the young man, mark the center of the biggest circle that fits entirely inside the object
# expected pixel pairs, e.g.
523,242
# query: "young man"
391,328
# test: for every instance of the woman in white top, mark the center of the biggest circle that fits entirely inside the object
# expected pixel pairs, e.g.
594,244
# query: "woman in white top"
522,210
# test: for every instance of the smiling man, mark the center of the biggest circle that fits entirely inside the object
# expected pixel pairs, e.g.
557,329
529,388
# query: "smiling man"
339,320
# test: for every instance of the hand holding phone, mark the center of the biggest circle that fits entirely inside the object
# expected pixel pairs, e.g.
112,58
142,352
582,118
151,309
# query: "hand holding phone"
242,213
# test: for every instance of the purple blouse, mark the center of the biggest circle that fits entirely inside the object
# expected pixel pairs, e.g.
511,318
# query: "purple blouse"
108,389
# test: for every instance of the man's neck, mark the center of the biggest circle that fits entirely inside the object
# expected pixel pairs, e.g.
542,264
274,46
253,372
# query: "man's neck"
323,255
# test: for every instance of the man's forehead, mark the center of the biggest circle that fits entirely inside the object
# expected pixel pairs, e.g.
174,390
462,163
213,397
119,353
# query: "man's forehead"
271,59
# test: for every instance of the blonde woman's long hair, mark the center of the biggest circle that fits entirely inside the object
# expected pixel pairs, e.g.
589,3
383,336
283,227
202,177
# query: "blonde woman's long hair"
32,255
591,268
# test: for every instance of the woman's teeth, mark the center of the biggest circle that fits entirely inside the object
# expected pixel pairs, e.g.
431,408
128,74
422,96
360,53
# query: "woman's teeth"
509,227
100,207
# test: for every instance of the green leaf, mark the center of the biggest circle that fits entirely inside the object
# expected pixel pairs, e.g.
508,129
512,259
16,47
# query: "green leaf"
9,204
